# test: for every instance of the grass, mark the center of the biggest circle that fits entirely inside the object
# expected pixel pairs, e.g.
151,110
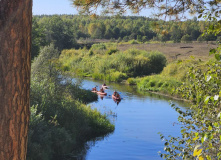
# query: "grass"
171,78
174,51
104,62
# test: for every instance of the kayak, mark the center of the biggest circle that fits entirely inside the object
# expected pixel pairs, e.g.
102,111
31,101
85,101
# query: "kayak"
116,98
101,93
104,87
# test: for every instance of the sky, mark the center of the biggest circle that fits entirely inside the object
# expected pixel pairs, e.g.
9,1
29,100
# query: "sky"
50,7
62,7
53,7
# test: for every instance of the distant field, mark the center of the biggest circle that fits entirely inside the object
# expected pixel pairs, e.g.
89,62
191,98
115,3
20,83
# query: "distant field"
174,51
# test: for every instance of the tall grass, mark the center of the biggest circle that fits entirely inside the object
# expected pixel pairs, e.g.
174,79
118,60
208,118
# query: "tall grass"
171,78
158,83
111,64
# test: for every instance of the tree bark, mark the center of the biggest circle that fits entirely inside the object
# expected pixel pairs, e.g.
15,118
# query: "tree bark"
15,64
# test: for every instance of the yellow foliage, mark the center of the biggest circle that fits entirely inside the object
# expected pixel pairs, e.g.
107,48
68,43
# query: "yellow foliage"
197,151
201,158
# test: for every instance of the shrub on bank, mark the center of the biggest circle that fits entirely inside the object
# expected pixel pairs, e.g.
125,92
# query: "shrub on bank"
112,67
60,121
158,83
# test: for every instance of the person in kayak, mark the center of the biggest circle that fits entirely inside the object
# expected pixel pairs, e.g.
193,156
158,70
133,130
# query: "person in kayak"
94,89
102,90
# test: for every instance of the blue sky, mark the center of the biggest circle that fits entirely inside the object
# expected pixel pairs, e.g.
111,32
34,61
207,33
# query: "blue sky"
64,7
53,7
60,7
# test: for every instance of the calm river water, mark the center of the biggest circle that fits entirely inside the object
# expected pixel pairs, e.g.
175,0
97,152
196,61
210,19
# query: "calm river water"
138,118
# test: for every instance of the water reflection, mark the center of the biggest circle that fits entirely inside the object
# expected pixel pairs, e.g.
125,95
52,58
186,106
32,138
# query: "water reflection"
138,117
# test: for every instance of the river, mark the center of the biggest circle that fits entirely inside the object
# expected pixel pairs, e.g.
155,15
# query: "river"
138,118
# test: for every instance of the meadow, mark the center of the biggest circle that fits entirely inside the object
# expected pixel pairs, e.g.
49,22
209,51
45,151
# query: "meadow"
175,51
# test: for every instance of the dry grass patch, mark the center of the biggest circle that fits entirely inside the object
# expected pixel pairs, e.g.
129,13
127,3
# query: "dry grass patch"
175,51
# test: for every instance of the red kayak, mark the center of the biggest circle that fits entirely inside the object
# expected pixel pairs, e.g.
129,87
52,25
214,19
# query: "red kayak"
102,93
104,87
116,98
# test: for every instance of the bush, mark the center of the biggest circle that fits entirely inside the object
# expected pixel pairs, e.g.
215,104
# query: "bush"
133,42
158,83
111,51
100,46
60,122
157,62
131,81
130,63
186,38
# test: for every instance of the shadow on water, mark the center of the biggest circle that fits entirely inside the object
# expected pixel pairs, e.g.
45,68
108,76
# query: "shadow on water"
138,117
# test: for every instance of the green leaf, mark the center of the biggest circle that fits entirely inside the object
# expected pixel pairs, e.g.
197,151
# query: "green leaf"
216,124
207,99
200,15
217,56
212,51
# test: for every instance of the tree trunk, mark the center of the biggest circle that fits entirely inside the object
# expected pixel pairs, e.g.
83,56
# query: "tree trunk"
15,43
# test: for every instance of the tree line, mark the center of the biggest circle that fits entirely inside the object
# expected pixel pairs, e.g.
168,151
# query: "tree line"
64,30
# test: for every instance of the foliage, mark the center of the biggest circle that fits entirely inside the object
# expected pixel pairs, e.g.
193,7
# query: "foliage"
186,38
201,125
60,122
54,30
200,131
64,29
112,67
158,83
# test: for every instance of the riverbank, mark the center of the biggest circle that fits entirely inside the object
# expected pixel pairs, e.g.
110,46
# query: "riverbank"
61,122
147,70
102,62
169,81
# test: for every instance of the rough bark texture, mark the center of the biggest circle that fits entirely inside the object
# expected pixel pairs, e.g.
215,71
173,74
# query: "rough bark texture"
15,43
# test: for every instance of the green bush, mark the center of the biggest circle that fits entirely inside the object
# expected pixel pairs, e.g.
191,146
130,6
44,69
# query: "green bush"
131,81
100,46
186,38
60,122
158,83
130,63
111,51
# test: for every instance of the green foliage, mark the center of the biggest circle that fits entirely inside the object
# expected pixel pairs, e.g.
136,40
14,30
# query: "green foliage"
131,81
38,38
125,38
111,51
186,38
201,125
200,130
60,121
100,46
52,29
158,83
62,30
112,67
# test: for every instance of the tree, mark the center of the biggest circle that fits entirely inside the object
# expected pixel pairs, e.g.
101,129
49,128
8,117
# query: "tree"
15,66
186,38
175,33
